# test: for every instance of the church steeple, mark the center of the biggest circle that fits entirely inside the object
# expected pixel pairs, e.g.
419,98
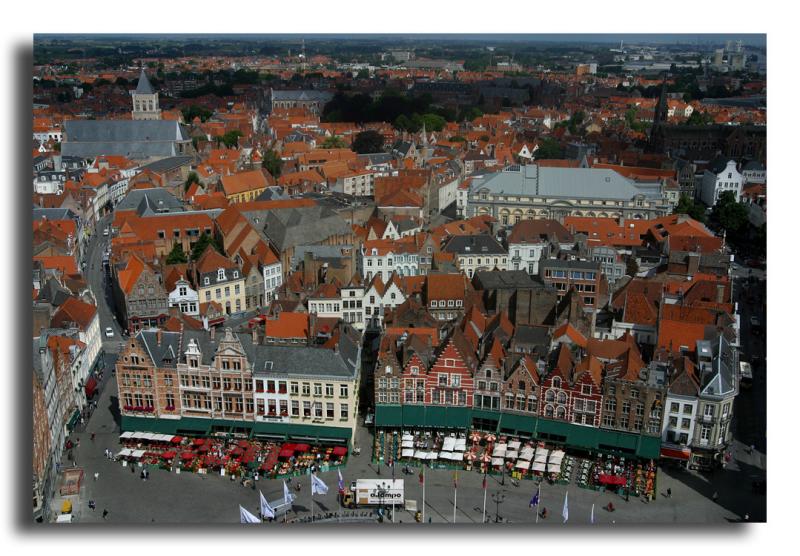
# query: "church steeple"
145,100
659,118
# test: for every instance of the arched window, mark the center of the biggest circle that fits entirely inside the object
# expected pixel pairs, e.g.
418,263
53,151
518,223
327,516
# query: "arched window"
548,411
556,382
562,397
550,396
561,413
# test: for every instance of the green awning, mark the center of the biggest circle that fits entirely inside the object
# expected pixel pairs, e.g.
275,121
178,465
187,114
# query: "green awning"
389,416
521,423
202,427
413,415
436,416
458,417
74,419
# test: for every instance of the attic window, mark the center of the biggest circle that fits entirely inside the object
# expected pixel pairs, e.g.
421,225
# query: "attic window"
206,281
267,365
221,274
235,273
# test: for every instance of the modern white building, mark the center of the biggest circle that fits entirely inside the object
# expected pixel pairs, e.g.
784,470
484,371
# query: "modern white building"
273,278
185,298
383,257
720,177
379,297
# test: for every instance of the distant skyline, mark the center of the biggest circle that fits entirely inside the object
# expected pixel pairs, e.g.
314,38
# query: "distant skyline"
750,39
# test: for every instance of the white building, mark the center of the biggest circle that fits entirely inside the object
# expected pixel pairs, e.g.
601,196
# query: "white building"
754,172
185,298
530,241
378,298
721,176
49,183
353,304
273,277
359,183
478,252
326,302
384,257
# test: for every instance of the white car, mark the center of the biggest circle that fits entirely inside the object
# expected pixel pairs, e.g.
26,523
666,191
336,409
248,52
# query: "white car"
109,332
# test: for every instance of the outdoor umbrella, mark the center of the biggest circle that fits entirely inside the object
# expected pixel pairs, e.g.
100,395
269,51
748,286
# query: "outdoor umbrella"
176,439
475,436
490,437
168,454
199,441
187,455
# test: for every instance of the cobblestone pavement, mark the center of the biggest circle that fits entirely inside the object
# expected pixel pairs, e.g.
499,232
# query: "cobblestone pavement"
192,498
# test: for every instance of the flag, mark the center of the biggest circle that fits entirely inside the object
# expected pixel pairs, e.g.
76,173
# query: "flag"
288,497
534,500
591,516
565,511
421,475
317,486
247,517
455,479
266,509
341,482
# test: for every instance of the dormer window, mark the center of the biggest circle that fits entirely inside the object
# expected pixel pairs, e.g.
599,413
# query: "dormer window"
433,303
556,382
221,274
206,281
235,273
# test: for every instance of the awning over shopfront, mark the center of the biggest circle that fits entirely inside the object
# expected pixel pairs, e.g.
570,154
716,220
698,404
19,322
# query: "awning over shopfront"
91,387
674,453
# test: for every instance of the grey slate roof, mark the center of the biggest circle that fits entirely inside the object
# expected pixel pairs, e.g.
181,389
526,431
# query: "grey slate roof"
271,193
147,202
287,228
165,354
167,164
532,335
53,214
144,87
504,279
722,380
307,95
130,138
568,183
474,245
377,158
570,265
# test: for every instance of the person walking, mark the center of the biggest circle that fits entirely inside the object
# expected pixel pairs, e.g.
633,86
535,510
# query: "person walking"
92,505
669,493
96,475
715,496
105,513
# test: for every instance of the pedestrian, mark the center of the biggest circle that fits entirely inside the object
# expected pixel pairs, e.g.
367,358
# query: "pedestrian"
132,469
715,496
669,493
752,448
91,505
92,437
747,517
430,520
96,475
105,513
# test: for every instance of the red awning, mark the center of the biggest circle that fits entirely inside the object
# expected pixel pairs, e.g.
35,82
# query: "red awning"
291,447
676,454
340,451
612,480
199,441
203,448
243,444
187,455
236,452
285,454
177,439
168,454
301,447
91,386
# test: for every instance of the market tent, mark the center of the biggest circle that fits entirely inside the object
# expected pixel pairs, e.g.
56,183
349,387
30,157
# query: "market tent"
339,451
169,454
553,467
511,454
421,454
148,436
407,453
285,454
514,445
522,464
612,480
449,443
538,466
407,444
432,455
461,444
301,447
541,455
556,456
187,455
499,450
176,439
407,436
445,455
457,456
126,434
475,436
486,457
91,387
124,452
526,453
137,454
199,441
497,461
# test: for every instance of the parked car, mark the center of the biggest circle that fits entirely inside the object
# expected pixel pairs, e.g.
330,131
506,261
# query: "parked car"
109,332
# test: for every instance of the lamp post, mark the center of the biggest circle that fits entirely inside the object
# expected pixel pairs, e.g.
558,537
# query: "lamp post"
498,498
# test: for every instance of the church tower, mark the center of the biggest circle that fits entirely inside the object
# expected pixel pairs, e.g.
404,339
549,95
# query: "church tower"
659,119
145,100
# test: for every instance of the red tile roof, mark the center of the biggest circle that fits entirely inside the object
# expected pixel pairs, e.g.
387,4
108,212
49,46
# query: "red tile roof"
287,325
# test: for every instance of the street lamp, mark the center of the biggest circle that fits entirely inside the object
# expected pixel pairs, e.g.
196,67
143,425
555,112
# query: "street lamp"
498,498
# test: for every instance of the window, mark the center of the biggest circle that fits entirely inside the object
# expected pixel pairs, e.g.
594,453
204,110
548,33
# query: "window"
673,421
687,409
295,408
329,410
329,390
708,411
608,420
293,388
344,411
343,390
686,423
550,396
317,389
306,389
455,381
674,407
306,409
705,433
562,397
586,390
626,407
611,405
556,382
634,394
442,379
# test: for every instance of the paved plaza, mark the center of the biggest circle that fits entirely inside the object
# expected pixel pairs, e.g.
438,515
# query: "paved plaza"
193,498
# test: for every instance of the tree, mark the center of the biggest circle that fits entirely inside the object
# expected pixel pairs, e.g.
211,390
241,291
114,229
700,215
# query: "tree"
369,141
190,179
177,256
193,111
272,163
732,215
231,138
362,74
202,242
549,148
333,142
687,206
700,118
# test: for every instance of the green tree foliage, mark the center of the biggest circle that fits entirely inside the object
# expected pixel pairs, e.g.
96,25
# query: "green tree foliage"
369,141
457,139
333,142
230,139
202,242
177,256
363,74
687,206
470,113
273,163
193,111
700,118
732,215
549,148
190,179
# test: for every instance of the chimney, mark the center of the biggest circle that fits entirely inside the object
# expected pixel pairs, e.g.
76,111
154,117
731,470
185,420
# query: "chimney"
720,293
158,337
692,264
